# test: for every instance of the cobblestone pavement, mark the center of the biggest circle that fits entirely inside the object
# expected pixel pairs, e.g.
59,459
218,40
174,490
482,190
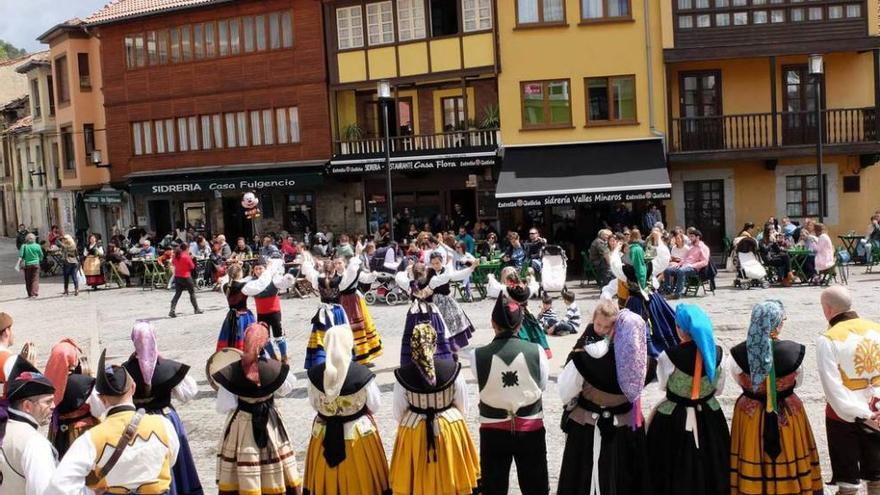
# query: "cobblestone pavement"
104,318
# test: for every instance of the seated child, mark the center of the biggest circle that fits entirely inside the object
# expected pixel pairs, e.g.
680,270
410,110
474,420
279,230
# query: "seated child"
572,320
547,316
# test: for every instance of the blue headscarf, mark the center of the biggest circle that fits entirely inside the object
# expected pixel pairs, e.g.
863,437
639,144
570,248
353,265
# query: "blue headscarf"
766,317
696,323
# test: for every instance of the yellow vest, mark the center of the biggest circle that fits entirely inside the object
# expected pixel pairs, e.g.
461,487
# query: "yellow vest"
145,465
858,349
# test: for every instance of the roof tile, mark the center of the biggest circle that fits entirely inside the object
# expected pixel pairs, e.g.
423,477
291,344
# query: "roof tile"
126,9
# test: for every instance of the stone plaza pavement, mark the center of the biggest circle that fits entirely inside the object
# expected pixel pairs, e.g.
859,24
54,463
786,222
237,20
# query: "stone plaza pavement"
104,319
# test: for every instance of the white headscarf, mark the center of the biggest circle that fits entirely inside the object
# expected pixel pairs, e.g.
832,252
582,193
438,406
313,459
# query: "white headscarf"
338,343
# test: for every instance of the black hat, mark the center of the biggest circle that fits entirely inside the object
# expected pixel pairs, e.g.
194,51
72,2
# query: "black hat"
28,384
111,380
506,314
519,293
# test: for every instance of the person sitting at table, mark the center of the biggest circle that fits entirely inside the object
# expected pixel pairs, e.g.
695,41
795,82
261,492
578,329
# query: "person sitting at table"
116,257
774,256
242,250
871,240
824,260
216,265
514,255
489,247
147,249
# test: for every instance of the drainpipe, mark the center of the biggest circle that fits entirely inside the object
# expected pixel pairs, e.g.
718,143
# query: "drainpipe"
649,61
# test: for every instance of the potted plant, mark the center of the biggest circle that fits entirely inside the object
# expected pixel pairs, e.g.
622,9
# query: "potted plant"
491,117
351,132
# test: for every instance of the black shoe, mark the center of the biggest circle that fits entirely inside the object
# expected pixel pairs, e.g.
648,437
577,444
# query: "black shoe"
172,314
198,311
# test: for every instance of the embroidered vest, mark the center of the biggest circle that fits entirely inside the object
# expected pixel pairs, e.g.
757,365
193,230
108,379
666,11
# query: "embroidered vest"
18,435
858,350
509,375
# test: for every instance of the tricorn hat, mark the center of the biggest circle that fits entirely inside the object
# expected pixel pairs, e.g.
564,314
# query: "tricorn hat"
28,384
111,380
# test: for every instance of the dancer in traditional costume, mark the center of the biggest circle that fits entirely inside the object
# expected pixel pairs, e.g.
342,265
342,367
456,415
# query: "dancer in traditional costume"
239,317
601,385
422,311
330,313
157,380
367,342
848,355
73,414
148,445
512,287
459,328
688,439
772,446
345,451
641,296
434,452
255,454
267,282
512,375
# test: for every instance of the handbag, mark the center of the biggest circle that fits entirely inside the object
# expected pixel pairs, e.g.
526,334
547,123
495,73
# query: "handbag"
80,277
18,265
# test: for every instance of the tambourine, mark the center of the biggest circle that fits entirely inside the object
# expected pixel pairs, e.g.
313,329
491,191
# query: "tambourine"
219,360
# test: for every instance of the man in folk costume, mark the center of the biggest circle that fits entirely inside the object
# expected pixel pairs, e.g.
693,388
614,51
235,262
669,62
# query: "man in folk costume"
27,459
848,354
255,455
128,452
345,453
73,414
601,386
512,375
157,380
268,282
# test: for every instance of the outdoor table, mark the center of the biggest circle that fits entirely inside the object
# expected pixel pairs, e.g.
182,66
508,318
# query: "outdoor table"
480,277
850,243
798,259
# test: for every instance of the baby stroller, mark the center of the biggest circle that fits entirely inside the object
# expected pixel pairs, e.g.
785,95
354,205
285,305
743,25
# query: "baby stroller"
385,290
554,269
749,270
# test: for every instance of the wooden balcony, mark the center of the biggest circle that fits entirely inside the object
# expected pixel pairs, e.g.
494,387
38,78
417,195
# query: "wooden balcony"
456,142
768,135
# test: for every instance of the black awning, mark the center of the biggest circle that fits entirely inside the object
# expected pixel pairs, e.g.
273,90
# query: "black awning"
258,180
583,174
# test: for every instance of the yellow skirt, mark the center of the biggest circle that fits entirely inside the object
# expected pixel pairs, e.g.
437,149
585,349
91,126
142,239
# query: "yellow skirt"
367,343
363,472
795,471
455,472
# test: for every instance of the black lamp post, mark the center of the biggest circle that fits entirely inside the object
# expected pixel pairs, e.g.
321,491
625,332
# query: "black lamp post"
42,173
383,88
816,67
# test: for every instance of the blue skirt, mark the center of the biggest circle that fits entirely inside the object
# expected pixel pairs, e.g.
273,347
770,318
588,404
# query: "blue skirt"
321,322
232,331
184,477
432,316
660,319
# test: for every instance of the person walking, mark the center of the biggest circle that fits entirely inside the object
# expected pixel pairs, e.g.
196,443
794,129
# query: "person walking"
70,264
31,254
183,267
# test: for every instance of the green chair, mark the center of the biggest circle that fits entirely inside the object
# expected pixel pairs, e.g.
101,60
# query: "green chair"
115,276
147,281
874,259
726,248
480,278
588,270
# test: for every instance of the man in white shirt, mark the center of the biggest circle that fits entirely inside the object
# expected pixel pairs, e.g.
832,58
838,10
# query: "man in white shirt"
27,459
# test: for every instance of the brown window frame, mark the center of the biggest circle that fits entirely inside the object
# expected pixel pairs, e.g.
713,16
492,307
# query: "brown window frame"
545,89
68,151
612,119
62,80
459,107
605,17
85,77
541,22
803,204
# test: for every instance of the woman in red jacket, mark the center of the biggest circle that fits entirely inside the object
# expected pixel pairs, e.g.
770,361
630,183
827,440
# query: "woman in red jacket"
183,267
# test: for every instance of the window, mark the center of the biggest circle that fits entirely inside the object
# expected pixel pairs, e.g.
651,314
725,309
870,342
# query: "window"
268,128
134,51
138,139
540,12
702,4
380,23
160,136
199,41
802,195
759,17
685,22
349,27
256,129
50,85
217,127
260,30
685,4
163,47
546,104
592,10
704,20
210,44
293,123
777,16
410,20
61,79
67,150
722,20
183,140
169,135
815,13
148,138
230,130
186,43
139,51
835,12
35,98
193,128
223,37
720,4
453,113
248,31
207,136
740,18
287,30
281,119
235,36
85,80
175,45
797,15
476,15
152,51
89,140
274,30
444,17
854,10
611,100
241,123
129,52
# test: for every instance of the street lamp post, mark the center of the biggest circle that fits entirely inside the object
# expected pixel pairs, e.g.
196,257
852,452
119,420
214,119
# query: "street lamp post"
383,89
42,174
816,67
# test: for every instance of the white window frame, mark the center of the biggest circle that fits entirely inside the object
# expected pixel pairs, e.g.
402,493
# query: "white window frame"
231,133
281,119
207,136
471,15
384,29
182,136
170,137
160,136
138,138
293,124
148,138
350,27
268,130
256,128
193,125
217,127
411,14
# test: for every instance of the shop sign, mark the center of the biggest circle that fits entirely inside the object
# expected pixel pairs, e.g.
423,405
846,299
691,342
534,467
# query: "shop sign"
415,164
586,198
220,185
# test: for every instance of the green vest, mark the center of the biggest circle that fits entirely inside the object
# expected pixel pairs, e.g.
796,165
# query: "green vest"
509,376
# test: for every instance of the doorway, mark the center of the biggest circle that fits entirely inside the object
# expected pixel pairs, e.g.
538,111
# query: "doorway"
235,224
468,201
799,124
160,216
704,209
701,126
